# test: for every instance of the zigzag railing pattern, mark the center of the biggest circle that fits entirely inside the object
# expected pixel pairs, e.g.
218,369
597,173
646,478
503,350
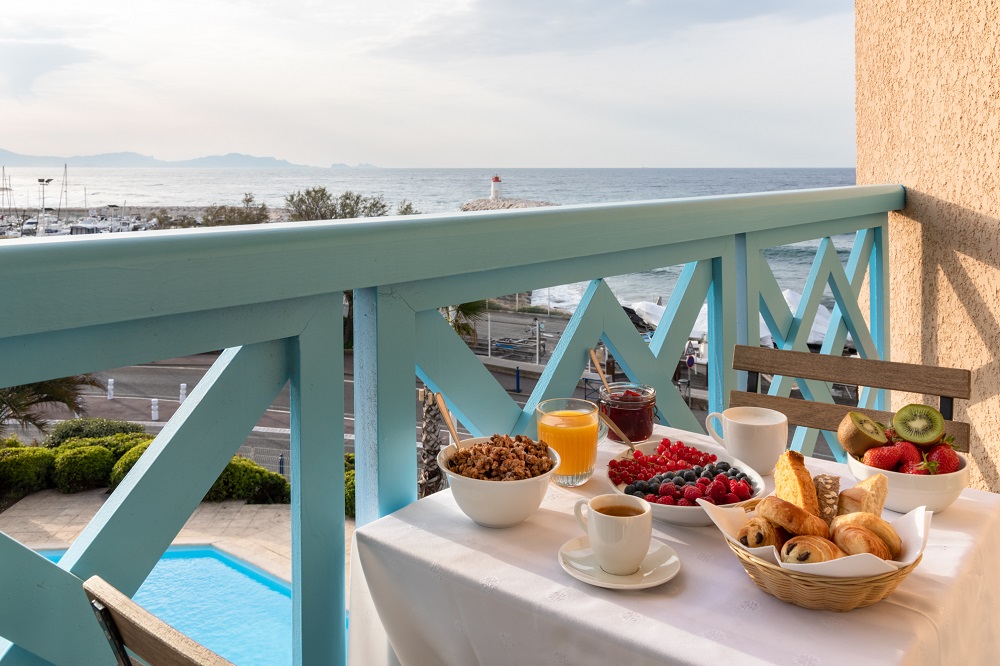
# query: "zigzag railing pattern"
271,295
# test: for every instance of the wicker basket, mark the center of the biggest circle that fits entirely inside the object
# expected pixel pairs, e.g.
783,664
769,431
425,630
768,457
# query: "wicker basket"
820,592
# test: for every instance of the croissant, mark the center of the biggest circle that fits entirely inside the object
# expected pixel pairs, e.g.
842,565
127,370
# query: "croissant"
759,532
810,549
882,529
855,539
792,518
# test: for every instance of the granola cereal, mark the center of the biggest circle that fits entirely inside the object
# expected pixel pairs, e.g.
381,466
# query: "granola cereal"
503,458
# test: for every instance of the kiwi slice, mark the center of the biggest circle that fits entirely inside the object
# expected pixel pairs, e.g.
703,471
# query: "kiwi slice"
859,432
920,424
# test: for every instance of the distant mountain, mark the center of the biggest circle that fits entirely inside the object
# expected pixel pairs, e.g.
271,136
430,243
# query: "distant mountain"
363,165
125,160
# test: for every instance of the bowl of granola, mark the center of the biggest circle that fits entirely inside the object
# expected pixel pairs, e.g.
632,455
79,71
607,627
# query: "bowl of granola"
498,481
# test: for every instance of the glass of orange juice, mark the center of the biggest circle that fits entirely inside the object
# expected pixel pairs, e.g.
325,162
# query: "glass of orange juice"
570,426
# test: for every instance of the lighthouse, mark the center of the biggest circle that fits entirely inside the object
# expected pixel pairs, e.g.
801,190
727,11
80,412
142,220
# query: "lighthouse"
495,188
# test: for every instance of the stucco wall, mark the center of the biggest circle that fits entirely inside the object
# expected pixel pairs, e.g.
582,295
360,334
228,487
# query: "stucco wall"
928,117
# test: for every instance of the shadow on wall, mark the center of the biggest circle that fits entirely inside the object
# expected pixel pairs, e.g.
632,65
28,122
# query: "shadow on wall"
952,240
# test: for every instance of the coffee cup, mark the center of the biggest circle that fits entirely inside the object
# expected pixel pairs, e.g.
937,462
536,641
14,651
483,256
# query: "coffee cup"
756,435
619,528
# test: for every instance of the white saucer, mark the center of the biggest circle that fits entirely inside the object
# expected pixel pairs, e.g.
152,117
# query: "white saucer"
661,564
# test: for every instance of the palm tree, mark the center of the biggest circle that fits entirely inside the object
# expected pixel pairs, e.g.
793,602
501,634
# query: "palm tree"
464,317
26,404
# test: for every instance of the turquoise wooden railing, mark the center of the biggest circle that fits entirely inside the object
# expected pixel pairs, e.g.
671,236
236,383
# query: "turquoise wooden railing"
271,295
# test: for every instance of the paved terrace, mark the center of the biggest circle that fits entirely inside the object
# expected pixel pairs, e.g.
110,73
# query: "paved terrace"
257,533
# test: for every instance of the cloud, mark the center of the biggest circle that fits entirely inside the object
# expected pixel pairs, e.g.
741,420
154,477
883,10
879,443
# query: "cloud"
32,61
484,28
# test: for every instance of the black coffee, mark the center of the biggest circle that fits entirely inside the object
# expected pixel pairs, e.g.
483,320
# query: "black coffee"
620,511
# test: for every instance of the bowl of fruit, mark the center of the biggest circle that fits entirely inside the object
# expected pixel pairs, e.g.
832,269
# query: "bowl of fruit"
913,453
671,476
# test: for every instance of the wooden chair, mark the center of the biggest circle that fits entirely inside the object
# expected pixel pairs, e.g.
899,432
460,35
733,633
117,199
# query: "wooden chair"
127,624
946,383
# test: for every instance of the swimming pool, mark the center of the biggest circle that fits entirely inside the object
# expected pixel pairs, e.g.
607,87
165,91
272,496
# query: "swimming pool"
227,605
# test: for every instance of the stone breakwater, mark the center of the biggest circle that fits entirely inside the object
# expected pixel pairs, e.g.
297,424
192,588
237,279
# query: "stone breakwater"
502,204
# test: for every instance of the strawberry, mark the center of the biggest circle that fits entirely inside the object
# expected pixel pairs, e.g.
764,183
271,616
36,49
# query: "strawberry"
908,453
882,457
915,468
944,458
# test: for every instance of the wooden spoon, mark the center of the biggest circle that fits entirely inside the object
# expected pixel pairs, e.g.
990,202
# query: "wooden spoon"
600,373
446,415
618,431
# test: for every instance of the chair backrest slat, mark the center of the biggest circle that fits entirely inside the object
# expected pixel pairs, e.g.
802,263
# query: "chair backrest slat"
825,416
911,377
152,639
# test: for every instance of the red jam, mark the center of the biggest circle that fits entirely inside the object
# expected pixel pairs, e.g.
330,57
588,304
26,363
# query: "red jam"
632,407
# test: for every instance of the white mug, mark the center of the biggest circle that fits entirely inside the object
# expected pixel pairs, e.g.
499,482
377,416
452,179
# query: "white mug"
755,435
620,541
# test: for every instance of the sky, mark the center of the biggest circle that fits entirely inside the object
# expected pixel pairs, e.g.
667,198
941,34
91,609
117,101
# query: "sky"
434,83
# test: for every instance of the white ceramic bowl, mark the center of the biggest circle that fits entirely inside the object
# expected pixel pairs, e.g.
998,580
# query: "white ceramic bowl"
694,516
908,491
495,503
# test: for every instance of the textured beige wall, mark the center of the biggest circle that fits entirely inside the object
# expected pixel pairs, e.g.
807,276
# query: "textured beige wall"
928,117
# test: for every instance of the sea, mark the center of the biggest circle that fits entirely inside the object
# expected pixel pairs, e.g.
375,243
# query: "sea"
439,191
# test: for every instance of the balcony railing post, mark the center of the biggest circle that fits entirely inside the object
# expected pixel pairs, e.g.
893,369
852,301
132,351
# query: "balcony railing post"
385,424
317,512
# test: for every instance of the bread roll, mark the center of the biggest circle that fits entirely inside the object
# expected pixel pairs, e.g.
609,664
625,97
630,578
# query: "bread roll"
882,529
760,532
810,549
855,539
792,518
793,482
827,490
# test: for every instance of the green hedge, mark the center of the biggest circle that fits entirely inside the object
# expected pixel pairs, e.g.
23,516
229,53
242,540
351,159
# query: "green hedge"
81,469
11,442
349,504
125,464
117,444
89,427
25,470
245,479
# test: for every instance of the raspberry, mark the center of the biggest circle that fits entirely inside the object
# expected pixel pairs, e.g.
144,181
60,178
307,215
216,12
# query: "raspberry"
708,499
667,489
742,490
717,490
693,492
724,479
667,500
684,502
702,481
730,498
650,497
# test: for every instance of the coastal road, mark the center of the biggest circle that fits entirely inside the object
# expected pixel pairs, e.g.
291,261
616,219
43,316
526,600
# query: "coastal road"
136,386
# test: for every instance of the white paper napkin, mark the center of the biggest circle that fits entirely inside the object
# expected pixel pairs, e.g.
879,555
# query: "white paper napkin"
912,529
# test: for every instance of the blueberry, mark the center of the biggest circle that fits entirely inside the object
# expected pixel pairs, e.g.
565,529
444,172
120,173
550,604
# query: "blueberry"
707,475
642,486
654,488
733,473
712,469
630,489
743,477
689,475
679,481
698,469
722,466
638,494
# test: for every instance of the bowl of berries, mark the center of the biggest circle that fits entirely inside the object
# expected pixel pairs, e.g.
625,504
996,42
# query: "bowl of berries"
671,476
921,467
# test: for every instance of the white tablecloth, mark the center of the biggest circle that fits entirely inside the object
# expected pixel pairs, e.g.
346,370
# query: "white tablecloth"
447,591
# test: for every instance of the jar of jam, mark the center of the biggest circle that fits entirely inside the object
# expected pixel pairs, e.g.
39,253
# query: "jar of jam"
632,407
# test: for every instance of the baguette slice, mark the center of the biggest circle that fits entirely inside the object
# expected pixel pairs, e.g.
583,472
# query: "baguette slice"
793,483
866,497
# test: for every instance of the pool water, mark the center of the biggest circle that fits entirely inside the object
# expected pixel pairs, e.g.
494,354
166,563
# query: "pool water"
227,605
